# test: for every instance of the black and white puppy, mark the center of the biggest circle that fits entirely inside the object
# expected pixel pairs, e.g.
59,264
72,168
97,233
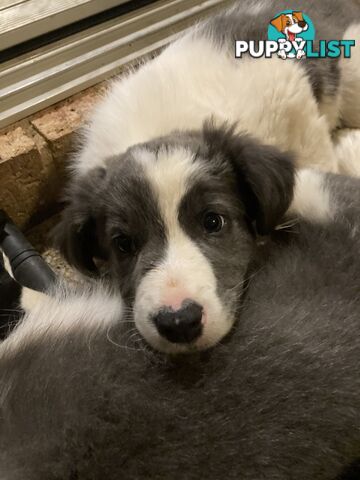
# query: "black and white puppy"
170,208
293,105
83,397
176,220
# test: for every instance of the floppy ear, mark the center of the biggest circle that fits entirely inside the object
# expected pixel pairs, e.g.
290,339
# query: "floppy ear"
76,235
299,16
265,176
279,22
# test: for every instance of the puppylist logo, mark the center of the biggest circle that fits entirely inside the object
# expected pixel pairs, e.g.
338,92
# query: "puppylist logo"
291,34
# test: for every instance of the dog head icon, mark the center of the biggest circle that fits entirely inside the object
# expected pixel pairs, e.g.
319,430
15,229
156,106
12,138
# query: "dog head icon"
290,24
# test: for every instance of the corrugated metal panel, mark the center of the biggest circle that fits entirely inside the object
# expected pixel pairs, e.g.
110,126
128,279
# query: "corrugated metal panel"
35,81
23,20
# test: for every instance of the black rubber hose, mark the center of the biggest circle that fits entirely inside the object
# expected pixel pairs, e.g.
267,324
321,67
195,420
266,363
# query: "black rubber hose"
28,266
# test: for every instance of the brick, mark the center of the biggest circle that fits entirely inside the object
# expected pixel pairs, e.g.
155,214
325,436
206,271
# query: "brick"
13,143
59,124
26,166
33,157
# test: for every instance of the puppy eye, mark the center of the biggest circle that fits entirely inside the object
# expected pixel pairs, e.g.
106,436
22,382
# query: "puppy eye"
213,222
124,244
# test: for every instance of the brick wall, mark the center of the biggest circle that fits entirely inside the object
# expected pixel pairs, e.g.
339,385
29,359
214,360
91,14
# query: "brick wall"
34,154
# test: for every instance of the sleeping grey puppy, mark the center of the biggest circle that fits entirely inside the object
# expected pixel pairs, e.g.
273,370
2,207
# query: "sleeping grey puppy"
82,396
170,206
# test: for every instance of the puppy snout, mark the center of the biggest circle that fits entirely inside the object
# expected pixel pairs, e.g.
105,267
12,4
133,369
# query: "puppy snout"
302,24
180,326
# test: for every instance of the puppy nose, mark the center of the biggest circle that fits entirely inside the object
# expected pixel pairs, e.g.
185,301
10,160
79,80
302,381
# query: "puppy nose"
182,325
302,23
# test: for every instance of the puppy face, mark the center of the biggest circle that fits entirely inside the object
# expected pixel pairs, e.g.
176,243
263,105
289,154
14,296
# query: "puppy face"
172,219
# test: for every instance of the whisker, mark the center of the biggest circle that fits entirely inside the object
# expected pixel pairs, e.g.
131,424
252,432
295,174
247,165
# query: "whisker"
125,347
288,224
245,280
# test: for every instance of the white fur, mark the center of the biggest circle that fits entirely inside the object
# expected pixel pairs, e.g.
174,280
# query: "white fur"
184,273
256,8
350,84
64,312
330,110
58,317
30,298
347,149
312,199
193,80
7,265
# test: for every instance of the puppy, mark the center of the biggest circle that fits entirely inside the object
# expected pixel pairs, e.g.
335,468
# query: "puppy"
169,205
175,220
83,396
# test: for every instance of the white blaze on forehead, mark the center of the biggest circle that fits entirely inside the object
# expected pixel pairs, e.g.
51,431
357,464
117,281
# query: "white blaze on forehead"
170,173
184,272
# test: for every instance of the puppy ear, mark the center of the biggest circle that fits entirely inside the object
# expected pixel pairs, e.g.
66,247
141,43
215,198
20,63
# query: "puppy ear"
265,176
76,235
299,16
278,22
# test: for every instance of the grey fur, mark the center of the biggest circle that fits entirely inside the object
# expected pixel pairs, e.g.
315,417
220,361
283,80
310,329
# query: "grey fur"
129,206
278,400
331,18
239,178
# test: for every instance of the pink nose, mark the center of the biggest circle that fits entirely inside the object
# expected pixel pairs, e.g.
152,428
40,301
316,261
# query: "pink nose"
175,300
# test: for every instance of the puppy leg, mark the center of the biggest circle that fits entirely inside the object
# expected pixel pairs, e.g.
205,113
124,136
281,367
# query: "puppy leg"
350,81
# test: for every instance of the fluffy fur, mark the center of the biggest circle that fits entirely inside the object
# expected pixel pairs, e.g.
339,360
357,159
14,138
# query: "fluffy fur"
348,151
293,105
156,198
146,153
84,398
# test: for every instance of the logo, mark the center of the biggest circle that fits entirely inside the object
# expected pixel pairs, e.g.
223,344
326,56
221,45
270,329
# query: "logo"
292,29
291,34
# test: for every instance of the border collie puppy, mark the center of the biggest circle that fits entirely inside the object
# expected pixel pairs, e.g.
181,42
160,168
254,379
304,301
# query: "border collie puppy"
175,220
83,397
292,105
173,206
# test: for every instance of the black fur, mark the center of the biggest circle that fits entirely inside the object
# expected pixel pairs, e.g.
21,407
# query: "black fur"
10,294
76,234
265,176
